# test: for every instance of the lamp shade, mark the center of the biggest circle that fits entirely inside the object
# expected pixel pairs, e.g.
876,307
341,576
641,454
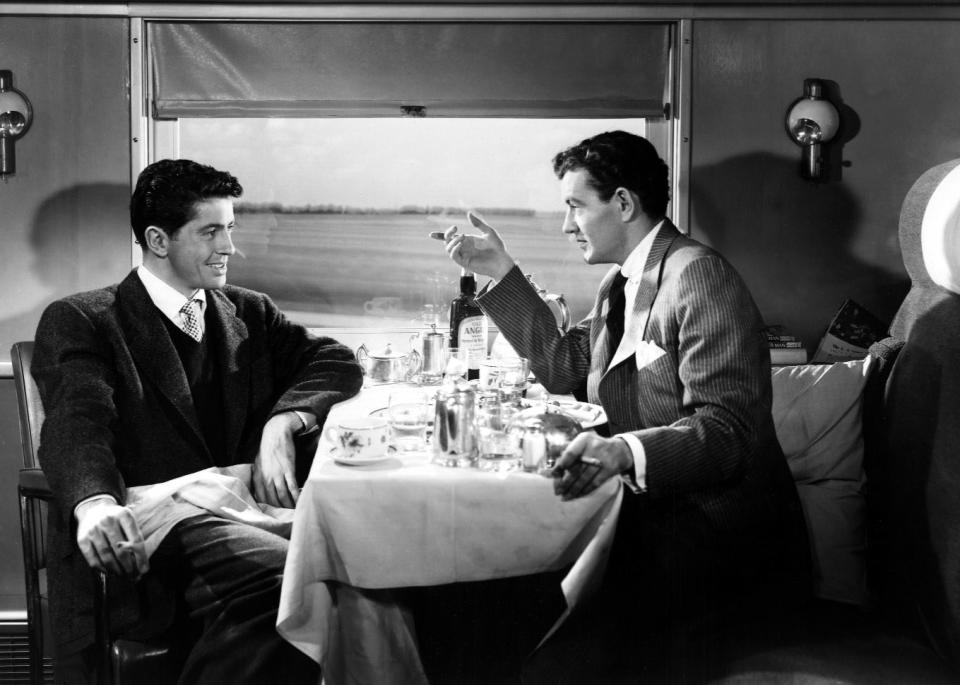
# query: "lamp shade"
15,117
811,119
15,110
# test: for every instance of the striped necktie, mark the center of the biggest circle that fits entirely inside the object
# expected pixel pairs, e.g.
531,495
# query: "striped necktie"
617,300
190,314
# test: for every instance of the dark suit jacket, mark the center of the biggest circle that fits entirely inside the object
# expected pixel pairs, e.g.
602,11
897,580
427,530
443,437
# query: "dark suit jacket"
691,381
119,411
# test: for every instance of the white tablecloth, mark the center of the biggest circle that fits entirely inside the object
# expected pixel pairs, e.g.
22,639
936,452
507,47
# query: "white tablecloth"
360,530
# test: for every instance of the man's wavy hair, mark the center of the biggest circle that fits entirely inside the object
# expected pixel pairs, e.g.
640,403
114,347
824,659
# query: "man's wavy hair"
619,159
168,191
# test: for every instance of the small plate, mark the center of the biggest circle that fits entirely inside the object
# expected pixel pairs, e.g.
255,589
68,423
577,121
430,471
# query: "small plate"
361,461
575,409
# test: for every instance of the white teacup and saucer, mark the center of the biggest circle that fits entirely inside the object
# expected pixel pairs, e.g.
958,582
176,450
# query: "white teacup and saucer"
360,441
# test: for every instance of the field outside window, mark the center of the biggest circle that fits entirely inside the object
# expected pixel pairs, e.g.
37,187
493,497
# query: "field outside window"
335,216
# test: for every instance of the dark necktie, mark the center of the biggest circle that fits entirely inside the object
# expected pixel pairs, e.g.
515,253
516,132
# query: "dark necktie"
618,300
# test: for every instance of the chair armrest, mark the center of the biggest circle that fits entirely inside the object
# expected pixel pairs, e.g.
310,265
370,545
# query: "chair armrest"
33,483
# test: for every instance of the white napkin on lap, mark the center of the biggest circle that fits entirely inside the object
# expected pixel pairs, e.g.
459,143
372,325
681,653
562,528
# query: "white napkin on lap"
223,492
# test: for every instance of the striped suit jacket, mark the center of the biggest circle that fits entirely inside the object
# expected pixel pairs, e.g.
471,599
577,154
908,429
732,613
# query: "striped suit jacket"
691,380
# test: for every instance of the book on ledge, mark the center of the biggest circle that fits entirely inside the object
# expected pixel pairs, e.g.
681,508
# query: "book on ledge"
786,356
850,333
785,349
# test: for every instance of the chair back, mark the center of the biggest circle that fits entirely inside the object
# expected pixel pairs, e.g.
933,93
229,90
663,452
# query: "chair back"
28,402
922,410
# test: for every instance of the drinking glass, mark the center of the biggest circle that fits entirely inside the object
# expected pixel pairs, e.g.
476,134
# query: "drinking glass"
490,373
498,449
512,375
457,363
408,416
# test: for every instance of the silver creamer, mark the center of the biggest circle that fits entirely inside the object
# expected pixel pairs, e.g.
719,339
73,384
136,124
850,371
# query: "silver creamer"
454,433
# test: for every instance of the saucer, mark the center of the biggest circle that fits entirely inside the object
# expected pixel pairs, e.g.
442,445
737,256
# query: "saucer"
361,461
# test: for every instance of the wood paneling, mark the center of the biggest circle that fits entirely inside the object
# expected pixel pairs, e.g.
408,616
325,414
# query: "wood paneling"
804,247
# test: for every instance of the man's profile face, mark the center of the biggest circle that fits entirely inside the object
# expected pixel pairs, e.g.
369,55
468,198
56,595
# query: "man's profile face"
198,254
593,224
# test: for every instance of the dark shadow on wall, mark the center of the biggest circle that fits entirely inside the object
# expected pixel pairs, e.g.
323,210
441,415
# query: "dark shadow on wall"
79,239
791,240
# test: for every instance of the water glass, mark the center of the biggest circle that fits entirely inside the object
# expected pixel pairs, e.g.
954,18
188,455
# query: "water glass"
408,416
498,448
457,363
490,373
512,375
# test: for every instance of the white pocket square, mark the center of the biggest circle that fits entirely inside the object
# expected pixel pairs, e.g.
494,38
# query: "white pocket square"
647,353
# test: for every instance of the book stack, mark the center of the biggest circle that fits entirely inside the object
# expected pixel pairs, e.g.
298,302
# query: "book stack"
785,349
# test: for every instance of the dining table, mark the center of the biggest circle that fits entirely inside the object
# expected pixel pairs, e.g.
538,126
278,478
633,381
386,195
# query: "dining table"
361,531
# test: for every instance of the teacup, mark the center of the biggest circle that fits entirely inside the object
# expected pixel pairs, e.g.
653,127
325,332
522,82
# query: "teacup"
361,438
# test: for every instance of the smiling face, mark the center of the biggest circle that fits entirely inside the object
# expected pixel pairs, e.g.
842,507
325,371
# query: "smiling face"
197,255
595,225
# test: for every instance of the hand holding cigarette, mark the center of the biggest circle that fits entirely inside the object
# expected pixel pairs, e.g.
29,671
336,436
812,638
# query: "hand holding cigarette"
588,462
482,253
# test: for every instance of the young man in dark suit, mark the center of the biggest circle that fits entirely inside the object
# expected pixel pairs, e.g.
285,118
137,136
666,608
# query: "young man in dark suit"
165,374
674,350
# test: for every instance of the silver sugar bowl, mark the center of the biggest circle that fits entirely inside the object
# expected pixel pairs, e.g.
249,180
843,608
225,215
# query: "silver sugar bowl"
543,435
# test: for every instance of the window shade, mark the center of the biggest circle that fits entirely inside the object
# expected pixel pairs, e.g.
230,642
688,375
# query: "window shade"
236,69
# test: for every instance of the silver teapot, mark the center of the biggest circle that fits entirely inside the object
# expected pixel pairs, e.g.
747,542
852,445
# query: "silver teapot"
387,366
502,348
543,434
557,300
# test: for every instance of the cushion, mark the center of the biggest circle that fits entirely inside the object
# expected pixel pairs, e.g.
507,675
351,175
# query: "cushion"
817,413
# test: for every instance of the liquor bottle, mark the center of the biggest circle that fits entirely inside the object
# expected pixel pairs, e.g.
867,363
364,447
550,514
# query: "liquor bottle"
468,330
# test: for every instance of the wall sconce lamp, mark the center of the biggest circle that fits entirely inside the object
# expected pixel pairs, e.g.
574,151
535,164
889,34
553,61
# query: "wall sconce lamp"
811,121
15,117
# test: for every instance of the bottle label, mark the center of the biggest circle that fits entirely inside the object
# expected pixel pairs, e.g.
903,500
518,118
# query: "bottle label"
471,335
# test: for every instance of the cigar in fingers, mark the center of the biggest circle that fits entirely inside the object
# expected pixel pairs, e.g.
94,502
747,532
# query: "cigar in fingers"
442,235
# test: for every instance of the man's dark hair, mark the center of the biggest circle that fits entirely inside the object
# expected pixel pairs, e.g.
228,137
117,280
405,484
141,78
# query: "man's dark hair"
618,159
167,193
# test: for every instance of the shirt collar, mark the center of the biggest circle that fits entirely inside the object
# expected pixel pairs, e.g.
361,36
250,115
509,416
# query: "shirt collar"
632,268
167,299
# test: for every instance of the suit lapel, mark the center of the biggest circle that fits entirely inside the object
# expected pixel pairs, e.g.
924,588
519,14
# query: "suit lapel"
636,323
228,335
152,349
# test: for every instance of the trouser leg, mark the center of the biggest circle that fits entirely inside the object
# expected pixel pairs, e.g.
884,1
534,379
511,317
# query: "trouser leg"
230,575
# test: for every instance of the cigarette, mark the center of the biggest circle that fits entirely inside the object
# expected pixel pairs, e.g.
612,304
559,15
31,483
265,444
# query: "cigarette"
437,235
590,461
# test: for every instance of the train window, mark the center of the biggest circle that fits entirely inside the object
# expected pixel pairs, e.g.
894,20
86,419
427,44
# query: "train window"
334,219
355,139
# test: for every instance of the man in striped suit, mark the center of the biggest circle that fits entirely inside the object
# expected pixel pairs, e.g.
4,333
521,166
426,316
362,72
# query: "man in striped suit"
675,352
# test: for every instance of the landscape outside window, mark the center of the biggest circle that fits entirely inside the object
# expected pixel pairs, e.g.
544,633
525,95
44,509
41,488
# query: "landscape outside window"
335,216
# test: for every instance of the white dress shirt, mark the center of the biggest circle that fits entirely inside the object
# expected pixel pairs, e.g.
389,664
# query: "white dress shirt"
632,270
168,300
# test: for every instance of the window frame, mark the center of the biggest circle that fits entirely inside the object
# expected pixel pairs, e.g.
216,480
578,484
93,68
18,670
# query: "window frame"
153,139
